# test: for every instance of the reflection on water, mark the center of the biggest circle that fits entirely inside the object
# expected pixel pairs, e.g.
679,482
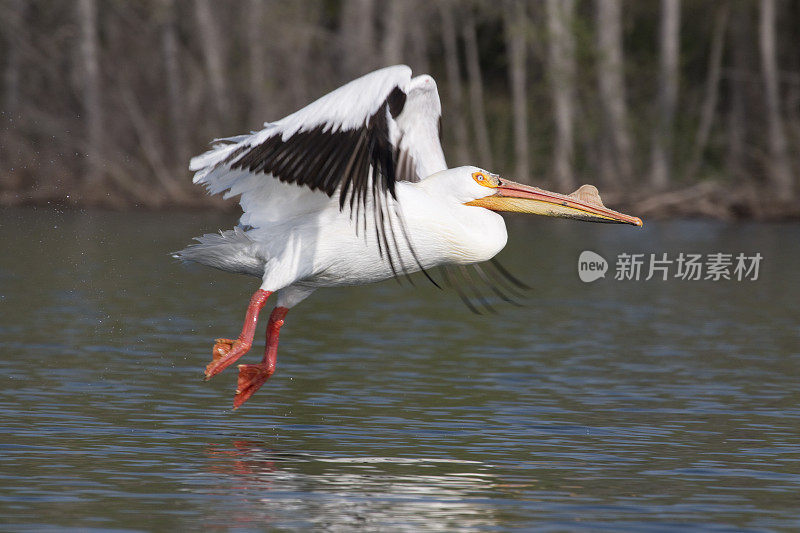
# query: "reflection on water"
305,490
610,405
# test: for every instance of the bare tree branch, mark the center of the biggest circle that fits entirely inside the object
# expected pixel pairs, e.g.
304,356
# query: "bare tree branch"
561,48
516,24
476,89
179,130
357,34
213,54
91,96
454,113
780,173
711,92
616,162
661,155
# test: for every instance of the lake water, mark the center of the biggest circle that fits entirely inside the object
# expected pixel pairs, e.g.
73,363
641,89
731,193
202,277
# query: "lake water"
612,405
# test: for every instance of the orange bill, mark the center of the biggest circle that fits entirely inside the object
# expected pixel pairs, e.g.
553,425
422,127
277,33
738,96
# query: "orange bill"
583,204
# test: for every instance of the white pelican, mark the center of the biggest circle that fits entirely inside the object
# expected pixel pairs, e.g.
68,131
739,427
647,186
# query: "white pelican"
353,189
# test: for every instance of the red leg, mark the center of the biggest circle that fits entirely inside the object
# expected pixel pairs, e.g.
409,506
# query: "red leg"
251,377
227,351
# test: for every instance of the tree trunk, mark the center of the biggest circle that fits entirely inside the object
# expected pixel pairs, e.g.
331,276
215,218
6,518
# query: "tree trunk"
738,83
711,93
358,37
302,82
476,89
177,112
418,34
394,32
11,76
616,162
91,96
516,25
561,48
453,109
257,63
213,56
778,166
661,157
151,150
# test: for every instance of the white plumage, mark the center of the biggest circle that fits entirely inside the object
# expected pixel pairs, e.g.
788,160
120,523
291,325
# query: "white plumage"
325,249
353,189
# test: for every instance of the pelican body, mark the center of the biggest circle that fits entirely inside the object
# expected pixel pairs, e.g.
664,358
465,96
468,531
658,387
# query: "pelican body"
354,189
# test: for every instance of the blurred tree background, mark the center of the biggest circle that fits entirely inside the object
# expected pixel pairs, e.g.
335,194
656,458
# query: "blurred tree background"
670,106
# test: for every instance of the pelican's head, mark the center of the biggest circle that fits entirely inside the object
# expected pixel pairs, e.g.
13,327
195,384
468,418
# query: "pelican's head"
476,187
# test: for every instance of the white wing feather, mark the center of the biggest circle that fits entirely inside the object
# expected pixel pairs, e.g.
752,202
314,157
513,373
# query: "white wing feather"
265,199
418,126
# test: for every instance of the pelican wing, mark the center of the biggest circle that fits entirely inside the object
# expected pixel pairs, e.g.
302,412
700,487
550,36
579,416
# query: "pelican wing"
358,140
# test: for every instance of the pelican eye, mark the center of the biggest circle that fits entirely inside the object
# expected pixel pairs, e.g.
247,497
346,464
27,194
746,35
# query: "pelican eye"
481,178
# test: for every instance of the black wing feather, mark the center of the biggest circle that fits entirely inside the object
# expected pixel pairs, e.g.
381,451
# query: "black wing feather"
357,162
345,160
323,159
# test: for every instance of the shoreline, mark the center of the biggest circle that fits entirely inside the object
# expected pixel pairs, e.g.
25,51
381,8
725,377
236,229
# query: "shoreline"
705,200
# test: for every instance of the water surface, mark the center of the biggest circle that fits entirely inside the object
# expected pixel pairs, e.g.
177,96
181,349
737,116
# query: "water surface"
616,405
